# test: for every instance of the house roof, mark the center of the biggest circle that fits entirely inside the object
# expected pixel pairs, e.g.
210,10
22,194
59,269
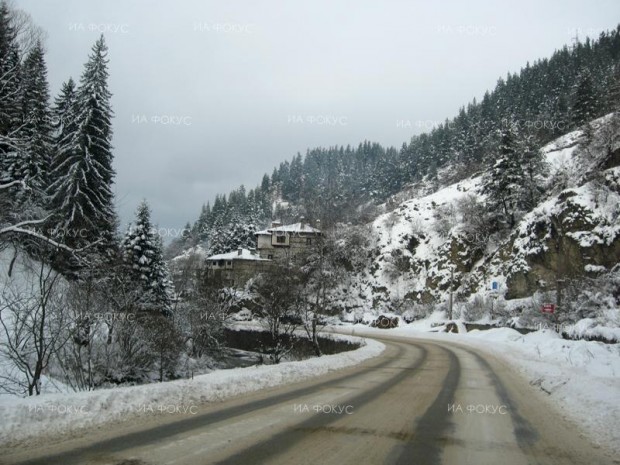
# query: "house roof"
304,228
235,255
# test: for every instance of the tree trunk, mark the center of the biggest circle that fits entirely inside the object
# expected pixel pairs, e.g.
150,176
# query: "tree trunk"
315,339
161,365
35,386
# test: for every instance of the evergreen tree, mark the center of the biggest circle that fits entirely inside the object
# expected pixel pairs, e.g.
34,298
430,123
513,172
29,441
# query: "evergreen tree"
10,87
218,237
186,235
585,101
613,89
32,164
501,183
202,227
265,184
63,120
143,256
83,175
532,165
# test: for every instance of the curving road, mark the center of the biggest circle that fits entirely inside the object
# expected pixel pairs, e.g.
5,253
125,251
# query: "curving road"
420,402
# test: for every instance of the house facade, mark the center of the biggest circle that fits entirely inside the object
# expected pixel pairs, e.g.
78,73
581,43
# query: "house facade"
234,269
285,241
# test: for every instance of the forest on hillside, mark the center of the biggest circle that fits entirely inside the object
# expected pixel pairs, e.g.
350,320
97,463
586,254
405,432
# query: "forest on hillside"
542,101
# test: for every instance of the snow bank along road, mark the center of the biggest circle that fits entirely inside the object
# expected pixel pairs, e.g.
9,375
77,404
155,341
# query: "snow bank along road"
419,402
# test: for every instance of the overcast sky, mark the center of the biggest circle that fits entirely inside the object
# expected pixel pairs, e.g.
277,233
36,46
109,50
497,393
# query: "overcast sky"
212,94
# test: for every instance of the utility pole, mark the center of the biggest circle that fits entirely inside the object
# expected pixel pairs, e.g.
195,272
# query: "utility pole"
451,291
560,271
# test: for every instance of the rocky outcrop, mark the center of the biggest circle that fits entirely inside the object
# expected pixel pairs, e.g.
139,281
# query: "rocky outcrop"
567,239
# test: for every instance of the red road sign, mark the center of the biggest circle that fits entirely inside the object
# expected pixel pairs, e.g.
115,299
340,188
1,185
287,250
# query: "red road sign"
548,308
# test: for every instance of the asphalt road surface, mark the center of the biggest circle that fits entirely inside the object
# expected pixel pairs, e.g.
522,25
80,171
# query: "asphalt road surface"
420,402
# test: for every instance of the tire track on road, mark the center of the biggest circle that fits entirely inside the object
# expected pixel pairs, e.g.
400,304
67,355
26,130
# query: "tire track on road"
283,442
525,434
429,430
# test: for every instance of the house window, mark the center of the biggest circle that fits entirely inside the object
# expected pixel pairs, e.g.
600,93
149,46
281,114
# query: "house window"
229,263
221,263
308,241
269,257
281,239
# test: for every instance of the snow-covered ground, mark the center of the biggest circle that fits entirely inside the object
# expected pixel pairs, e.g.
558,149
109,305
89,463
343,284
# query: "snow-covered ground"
52,414
581,378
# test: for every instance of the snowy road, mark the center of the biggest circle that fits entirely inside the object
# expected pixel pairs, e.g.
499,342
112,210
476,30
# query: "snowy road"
420,402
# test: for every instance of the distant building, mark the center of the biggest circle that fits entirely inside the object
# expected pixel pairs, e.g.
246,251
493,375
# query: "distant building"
234,269
282,241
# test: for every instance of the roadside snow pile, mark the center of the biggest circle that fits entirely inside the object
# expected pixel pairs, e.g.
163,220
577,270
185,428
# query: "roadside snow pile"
55,414
588,328
498,335
581,377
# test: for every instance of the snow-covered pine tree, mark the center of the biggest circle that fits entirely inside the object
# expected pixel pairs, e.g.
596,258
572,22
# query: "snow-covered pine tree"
532,164
218,237
62,118
585,101
612,96
10,86
186,235
63,125
23,120
218,226
82,196
33,162
200,229
143,256
9,111
162,288
501,184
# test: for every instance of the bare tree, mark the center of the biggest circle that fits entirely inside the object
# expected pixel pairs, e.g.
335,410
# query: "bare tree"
28,34
164,342
81,359
34,323
187,274
280,296
320,272
203,316
476,221
129,356
445,218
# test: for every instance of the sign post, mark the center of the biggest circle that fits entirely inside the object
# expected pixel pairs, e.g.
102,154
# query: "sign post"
548,308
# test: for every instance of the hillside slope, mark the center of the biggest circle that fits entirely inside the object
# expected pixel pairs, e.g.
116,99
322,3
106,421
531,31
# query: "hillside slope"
424,244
